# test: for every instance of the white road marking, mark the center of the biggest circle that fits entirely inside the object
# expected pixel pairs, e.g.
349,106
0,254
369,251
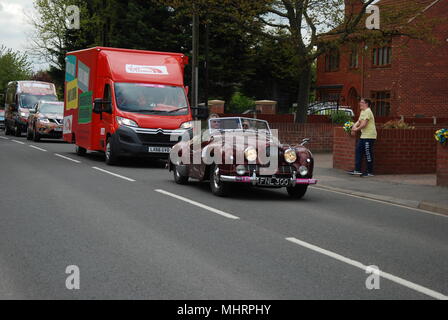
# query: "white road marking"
114,174
4,138
382,201
19,142
66,158
385,275
37,148
200,205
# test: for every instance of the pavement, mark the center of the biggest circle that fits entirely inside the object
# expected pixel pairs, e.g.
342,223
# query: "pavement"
135,234
415,191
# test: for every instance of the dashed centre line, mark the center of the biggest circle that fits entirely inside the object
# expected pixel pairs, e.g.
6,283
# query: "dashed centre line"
37,148
19,142
200,205
66,158
114,174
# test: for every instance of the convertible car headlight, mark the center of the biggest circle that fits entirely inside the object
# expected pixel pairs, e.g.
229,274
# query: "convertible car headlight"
290,156
303,171
251,154
44,120
126,122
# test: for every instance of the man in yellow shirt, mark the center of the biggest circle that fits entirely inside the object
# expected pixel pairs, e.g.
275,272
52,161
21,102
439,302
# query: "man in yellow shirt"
366,124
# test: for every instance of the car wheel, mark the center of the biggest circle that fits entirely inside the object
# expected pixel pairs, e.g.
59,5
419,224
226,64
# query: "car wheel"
17,131
7,130
112,158
80,151
178,178
29,134
36,135
219,188
297,192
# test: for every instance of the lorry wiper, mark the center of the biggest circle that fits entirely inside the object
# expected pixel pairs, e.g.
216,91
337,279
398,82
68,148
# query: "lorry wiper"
176,110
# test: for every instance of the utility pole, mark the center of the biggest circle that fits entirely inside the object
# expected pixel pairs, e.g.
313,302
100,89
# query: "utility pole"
195,63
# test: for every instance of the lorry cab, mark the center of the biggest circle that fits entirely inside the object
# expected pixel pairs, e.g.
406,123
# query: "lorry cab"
21,96
125,102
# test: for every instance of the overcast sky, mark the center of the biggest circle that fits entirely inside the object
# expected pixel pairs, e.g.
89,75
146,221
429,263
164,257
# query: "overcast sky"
15,28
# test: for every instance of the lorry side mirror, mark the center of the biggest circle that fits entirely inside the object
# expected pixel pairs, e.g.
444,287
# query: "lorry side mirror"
98,106
14,107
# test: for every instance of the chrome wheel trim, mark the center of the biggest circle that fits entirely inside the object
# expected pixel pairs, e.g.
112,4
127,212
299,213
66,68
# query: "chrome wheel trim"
108,150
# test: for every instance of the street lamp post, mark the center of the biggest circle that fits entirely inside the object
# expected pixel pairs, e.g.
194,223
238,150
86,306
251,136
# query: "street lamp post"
195,62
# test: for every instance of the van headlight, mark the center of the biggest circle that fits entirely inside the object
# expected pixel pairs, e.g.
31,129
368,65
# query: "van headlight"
251,154
290,156
186,125
126,122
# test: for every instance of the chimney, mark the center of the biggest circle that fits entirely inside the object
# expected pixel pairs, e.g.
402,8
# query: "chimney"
353,7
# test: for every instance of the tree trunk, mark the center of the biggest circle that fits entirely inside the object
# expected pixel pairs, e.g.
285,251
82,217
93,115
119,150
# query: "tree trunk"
304,95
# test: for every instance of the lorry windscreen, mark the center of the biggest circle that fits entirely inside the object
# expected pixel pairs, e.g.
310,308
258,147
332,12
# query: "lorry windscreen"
150,98
28,101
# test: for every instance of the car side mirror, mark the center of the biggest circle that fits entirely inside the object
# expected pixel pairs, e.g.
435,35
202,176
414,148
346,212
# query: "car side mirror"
201,112
305,142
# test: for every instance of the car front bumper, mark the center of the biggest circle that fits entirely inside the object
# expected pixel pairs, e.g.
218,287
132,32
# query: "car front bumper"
268,181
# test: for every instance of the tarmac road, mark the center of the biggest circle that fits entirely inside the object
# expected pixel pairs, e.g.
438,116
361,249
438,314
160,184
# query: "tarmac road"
135,234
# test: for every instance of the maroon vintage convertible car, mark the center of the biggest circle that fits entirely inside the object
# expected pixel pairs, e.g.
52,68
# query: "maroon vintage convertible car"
242,150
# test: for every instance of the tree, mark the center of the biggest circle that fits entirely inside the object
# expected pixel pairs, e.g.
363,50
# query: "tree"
13,66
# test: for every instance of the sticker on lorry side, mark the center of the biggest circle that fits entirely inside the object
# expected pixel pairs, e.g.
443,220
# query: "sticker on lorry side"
156,70
72,95
83,76
70,68
68,121
85,108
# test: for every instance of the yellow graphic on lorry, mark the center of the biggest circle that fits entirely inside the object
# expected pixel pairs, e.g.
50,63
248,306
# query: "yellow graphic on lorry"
72,95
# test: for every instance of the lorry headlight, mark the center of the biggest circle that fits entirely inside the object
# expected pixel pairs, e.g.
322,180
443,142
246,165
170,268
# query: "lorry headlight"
251,154
303,171
290,156
126,122
187,125
23,114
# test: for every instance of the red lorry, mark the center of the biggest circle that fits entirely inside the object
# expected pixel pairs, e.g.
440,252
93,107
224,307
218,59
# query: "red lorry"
125,102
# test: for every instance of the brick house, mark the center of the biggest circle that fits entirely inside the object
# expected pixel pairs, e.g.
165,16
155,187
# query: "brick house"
402,80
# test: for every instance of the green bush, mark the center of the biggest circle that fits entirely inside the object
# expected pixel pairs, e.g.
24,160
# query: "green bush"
240,103
340,117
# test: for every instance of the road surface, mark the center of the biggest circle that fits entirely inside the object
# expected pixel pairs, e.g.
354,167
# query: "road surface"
134,234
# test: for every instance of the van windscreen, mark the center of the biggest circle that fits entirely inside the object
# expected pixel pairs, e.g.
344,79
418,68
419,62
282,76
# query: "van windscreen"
28,100
149,98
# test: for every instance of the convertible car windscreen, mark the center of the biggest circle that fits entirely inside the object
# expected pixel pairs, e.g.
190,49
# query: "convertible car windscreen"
148,98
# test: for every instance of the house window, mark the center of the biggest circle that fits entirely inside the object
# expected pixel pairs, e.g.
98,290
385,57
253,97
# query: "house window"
332,61
382,56
354,59
381,103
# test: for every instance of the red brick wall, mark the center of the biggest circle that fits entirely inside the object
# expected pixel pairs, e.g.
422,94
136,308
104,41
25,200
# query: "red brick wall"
396,151
321,135
343,150
442,165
